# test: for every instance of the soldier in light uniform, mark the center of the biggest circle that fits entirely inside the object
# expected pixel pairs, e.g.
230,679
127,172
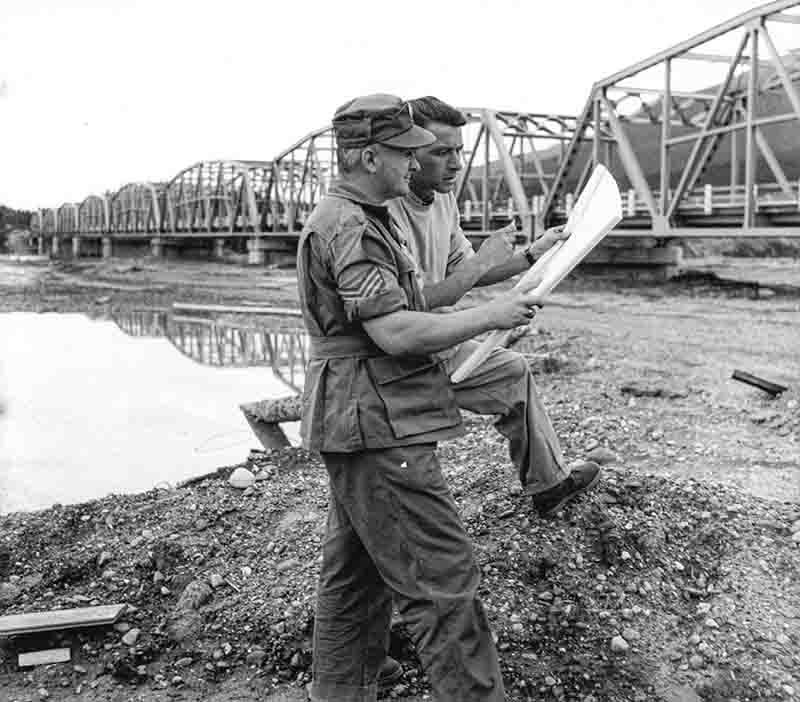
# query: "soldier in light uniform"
428,217
376,401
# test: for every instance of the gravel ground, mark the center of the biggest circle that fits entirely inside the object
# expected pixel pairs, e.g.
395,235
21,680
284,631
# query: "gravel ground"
676,580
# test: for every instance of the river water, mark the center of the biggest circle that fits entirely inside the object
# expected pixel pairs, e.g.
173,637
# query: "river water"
124,403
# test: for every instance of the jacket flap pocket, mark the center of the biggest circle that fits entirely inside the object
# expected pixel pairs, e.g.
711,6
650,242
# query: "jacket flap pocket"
392,369
416,393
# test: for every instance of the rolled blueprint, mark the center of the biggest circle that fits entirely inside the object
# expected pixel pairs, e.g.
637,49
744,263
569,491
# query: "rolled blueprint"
597,212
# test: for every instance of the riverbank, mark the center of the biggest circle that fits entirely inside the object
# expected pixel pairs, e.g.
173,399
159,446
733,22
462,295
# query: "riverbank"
676,580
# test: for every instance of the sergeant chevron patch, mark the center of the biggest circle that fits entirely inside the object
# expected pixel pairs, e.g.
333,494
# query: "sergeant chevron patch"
367,282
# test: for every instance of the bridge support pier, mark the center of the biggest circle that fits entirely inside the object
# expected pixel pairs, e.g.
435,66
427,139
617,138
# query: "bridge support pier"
640,258
76,247
219,248
255,254
40,245
156,247
54,246
106,247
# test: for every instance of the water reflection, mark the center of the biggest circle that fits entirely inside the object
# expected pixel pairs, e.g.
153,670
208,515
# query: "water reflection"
145,321
131,399
215,342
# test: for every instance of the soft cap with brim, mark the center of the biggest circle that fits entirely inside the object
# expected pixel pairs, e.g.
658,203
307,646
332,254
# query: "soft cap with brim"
378,119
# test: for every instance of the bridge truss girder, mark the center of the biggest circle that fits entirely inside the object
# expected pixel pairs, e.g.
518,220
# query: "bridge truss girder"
94,215
67,218
505,171
215,198
690,127
50,220
36,223
136,208
300,176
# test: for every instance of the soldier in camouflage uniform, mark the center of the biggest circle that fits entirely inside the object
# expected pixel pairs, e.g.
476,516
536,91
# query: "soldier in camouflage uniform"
376,402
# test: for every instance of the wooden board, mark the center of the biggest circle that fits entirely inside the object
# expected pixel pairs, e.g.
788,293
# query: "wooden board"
264,418
279,409
56,619
53,655
269,434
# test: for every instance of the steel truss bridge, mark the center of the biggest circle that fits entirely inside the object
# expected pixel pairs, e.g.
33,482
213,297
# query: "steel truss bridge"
692,161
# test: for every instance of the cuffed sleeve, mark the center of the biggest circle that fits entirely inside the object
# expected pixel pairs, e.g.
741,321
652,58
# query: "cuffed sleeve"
377,305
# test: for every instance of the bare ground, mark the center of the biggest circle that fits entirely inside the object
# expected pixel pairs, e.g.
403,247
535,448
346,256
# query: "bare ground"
686,551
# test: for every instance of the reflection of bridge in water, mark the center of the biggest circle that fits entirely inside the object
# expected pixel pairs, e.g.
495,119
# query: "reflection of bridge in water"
144,321
225,343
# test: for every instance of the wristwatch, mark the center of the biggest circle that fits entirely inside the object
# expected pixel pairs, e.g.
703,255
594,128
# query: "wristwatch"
529,254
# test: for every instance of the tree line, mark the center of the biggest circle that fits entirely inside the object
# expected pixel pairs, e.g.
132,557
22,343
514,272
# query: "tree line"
14,219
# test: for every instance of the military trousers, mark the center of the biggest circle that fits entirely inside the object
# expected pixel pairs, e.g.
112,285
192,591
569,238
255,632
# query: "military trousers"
394,535
503,385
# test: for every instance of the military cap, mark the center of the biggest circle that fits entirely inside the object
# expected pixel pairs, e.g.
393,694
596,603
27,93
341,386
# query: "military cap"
378,119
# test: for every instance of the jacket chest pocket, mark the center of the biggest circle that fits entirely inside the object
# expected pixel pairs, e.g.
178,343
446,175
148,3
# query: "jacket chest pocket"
416,393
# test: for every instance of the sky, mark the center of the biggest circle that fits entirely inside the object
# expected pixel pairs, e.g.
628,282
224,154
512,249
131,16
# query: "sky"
98,93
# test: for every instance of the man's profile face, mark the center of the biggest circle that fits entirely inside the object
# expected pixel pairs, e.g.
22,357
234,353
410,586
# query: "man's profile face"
394,167
440,162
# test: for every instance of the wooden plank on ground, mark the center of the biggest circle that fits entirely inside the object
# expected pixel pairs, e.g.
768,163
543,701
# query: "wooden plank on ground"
56,619
279,409
270,435
265,416
53,655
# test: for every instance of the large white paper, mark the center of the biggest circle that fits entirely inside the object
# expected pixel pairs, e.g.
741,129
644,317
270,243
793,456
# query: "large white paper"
598,210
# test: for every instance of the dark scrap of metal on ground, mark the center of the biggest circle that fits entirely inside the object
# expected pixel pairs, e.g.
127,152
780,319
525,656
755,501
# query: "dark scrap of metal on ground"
773,389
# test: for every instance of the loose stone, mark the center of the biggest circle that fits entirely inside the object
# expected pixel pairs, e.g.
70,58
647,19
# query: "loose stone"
131,637
619,645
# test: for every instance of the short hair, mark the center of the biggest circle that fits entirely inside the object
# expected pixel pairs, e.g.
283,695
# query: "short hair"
429,109
348,158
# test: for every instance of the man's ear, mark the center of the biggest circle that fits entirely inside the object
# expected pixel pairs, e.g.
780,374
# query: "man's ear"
369,159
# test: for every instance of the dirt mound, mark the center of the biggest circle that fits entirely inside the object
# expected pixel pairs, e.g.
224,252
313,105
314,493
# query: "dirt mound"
649,588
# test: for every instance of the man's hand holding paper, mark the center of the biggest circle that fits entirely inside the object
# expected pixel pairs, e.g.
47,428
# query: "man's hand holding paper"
513,308
550,237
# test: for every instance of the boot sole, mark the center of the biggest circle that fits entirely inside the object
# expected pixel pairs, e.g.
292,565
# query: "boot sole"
384,684
568,498
387,683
